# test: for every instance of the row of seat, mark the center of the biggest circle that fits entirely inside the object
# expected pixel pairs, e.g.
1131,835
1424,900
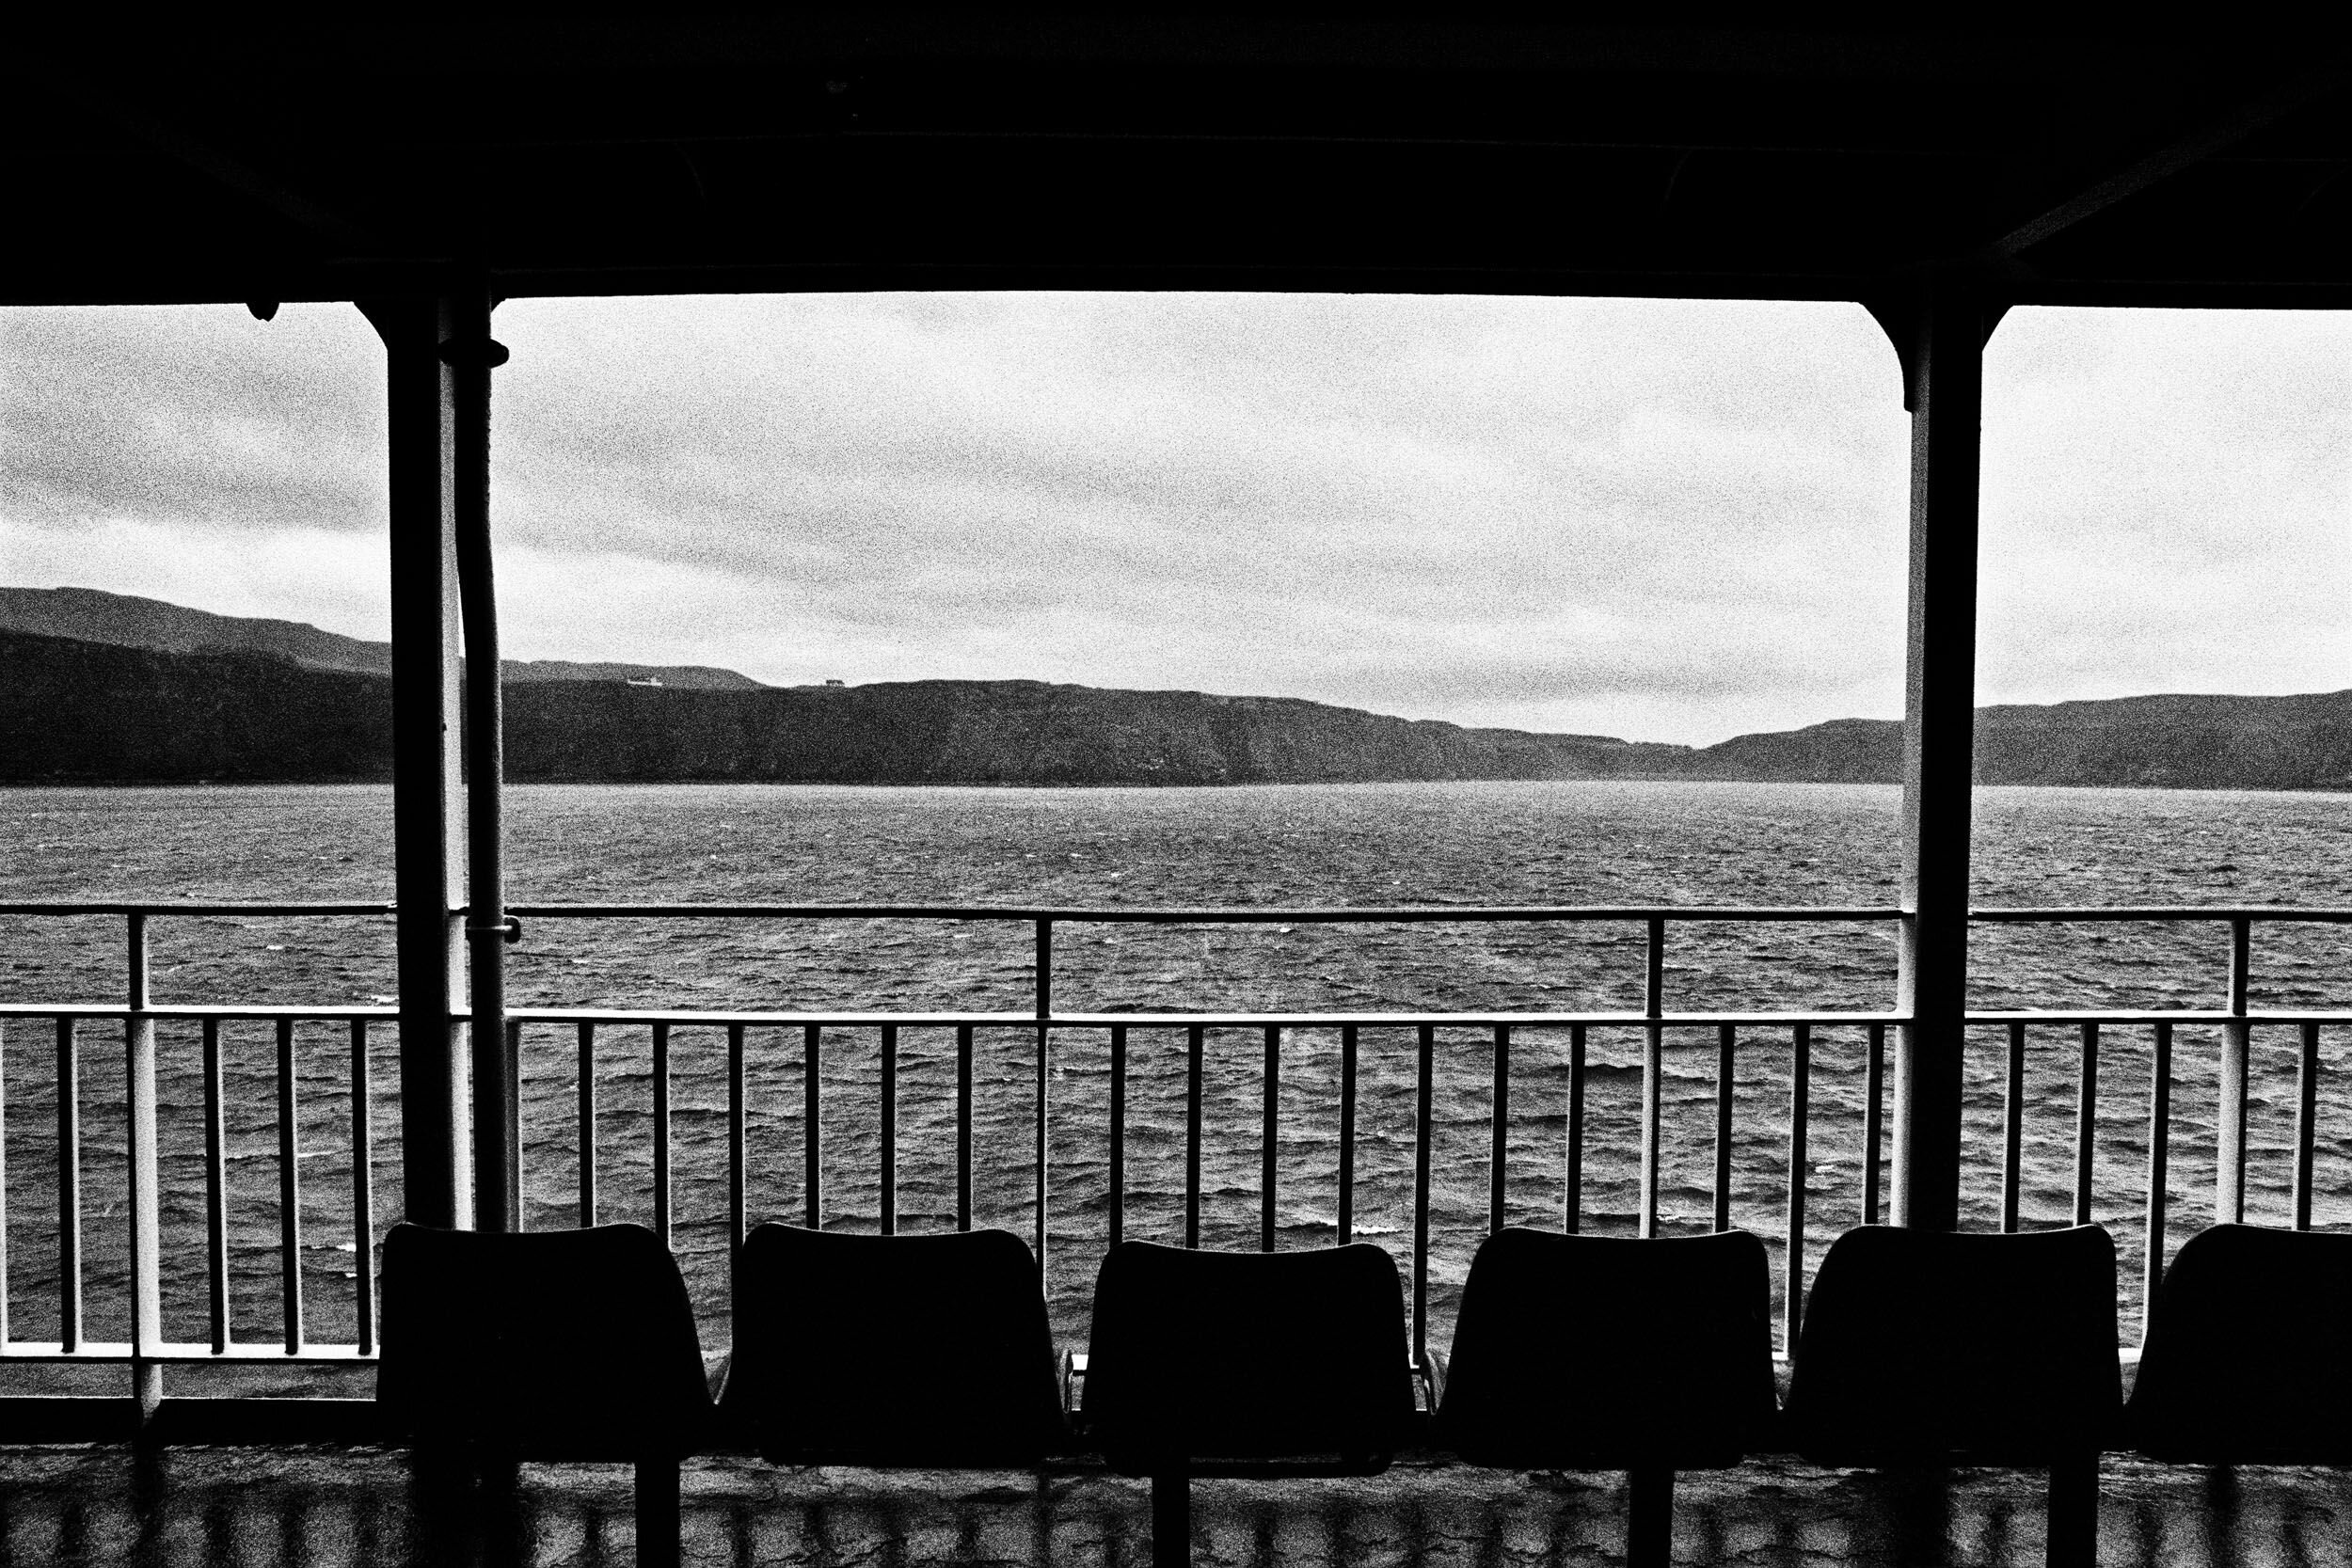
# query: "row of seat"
1570,1352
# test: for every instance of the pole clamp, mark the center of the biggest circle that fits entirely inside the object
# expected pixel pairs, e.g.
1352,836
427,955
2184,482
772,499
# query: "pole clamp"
486,352
511,929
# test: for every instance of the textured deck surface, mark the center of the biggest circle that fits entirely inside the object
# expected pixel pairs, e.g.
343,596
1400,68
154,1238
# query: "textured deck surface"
327,1507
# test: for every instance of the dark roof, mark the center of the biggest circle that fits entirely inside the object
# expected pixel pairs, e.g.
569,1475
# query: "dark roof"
664,148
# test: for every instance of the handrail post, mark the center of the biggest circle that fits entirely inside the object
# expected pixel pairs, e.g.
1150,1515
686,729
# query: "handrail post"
1653,1073
2228,1186
1939,338
428,833
147,1289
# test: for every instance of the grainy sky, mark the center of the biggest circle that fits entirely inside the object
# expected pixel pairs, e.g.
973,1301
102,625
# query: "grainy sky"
1673,521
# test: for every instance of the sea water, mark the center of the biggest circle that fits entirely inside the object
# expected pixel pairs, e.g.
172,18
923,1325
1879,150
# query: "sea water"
1283,845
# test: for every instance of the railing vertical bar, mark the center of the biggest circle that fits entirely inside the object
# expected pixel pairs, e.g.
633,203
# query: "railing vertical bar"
363,1190
963,1127
1799,1106
216,1191
2087,1124
1498,1156
812,1127
3,1188
739,1152
1572,1200
1193,1054
2306,1123
2159,1157
662,1131
1347,1134
1873,1122
512,1067
2229,1206
1727,1052
145,1211
2014,1129
1423,1125
1653,1076
1044,1090
1044,968
69,1186
587,1118
1270,1110
1119,1134
289,1191
886,1174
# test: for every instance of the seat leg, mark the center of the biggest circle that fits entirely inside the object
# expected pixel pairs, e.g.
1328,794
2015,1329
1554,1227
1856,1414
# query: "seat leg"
2073,1512
441,1504
1171,1520
1649,1526
658,1521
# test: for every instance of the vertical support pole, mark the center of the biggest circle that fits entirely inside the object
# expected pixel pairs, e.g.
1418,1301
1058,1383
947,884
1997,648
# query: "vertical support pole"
471,355
2013,1128
1653,1076
2229,1176
1045,1076
146,1216
289,1190
586,1114
1945,382
216,1191
1873,1121
427,838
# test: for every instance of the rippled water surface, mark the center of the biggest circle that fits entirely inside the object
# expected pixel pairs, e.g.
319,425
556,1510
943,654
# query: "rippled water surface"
1281,846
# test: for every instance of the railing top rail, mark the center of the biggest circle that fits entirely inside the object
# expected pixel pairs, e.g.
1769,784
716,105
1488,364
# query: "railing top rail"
1221,915
2330,914
1213,916
193,905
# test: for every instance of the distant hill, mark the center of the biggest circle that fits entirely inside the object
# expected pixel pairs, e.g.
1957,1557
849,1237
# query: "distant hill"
175,694
91,616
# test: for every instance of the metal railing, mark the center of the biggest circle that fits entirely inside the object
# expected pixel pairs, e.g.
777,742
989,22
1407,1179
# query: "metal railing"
1498,1030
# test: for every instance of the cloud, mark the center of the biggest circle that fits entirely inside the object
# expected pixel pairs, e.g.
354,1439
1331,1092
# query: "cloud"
1670,520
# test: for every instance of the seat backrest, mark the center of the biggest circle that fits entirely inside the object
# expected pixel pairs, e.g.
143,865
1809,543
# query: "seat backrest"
1210,1361
547,1344
1928,1347
2249,1356
892,1350
1592,1352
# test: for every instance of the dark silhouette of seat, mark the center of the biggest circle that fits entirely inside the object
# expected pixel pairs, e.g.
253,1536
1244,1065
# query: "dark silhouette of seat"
2248,1355
893,1351
1605,1353
1932,1348
545,1345
1244,1364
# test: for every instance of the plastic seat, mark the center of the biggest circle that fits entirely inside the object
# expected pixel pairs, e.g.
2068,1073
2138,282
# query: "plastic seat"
1244,1364
545,1345
2246,1361
1604,1352
929,1350
1932,1348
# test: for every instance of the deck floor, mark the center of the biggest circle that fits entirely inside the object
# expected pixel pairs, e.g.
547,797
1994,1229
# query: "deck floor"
321,1507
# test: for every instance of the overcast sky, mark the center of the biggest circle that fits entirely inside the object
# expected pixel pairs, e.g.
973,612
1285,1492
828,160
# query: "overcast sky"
1673,521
